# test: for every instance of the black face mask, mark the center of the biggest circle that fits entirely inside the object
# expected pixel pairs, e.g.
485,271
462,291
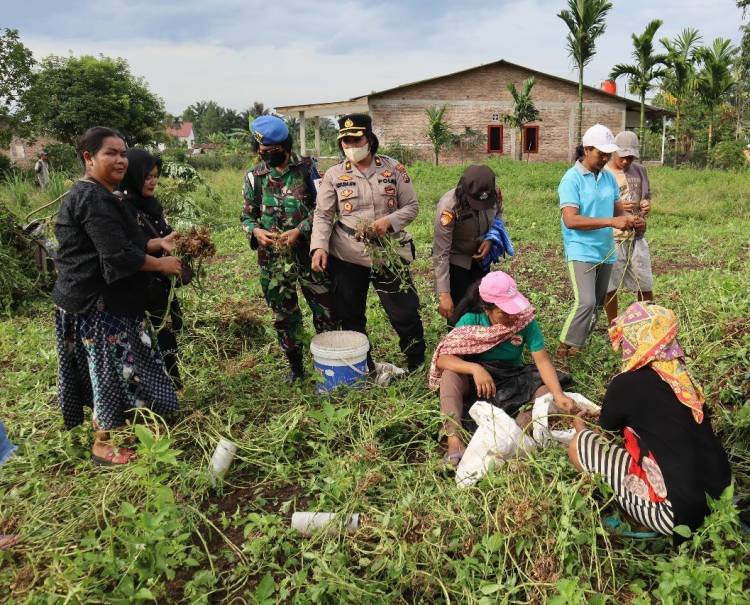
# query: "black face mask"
274,159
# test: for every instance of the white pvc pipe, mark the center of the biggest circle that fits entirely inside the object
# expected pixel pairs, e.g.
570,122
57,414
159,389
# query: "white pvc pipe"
307,523
222,458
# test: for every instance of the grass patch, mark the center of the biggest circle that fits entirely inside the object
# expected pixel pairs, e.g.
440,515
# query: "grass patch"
529,532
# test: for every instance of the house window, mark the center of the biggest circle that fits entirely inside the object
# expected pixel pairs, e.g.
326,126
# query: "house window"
494,139
530,139
495,117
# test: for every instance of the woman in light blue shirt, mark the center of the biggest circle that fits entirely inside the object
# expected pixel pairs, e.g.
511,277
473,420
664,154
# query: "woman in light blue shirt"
590,206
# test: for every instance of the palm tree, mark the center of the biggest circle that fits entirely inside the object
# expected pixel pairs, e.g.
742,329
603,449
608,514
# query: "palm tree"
680,80
438,130
647,68
524,110
715,79
585,21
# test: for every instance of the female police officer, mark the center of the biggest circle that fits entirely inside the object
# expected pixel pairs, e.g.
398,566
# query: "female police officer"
374,191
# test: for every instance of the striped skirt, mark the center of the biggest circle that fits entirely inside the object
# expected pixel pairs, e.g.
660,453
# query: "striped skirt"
612,462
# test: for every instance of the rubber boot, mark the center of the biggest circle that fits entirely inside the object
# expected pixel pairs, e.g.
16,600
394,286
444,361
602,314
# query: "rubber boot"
414,363
296,365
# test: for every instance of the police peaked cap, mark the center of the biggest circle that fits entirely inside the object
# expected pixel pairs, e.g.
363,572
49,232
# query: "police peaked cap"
269,130
354,125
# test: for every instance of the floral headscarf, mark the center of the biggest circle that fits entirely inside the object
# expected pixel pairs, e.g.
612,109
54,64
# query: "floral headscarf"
648,335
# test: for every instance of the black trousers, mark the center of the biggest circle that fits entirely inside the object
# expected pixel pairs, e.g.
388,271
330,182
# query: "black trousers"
461,280
350,284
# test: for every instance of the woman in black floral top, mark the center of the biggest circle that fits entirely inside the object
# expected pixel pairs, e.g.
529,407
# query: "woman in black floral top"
106,357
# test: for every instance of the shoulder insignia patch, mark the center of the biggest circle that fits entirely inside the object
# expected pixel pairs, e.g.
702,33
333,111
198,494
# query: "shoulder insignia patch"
345,193
348,166
390,190
378,161
386,174
348,207
404,175
391,203
345,177
447,217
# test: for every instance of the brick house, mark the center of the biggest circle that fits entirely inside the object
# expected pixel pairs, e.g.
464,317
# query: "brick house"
476,100
24,153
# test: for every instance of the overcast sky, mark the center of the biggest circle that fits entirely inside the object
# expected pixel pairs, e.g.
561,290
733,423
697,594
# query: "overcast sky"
285,52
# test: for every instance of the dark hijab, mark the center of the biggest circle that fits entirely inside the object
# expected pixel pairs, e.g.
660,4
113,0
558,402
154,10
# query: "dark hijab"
140,163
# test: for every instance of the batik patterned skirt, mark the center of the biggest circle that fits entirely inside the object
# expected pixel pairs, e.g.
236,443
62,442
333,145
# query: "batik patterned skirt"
109,363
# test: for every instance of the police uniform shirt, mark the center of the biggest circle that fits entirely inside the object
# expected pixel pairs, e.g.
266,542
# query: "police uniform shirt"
459,231
358,199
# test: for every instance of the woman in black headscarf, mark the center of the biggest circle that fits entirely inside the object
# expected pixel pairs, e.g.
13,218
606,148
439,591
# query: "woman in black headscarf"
138,188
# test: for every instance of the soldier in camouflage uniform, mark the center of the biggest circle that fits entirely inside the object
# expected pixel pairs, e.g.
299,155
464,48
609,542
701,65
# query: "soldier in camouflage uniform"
277,217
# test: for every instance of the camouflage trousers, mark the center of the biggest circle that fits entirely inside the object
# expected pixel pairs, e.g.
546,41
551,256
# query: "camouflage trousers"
280,273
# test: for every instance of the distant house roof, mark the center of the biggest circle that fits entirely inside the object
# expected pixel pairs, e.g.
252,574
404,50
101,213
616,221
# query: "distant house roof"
630,103
183,132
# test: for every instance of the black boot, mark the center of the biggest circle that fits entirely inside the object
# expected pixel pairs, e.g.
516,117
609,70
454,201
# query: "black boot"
413,363
297,367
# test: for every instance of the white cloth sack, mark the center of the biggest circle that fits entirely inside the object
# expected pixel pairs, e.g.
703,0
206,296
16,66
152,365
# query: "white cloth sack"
497,438
543,406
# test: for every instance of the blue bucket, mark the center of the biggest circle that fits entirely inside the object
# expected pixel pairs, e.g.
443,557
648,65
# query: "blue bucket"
340,357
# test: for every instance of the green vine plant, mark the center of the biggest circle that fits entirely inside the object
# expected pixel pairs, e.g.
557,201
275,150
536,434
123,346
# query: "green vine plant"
384,252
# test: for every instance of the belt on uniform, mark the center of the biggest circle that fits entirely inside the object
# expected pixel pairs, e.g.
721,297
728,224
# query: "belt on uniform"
346,228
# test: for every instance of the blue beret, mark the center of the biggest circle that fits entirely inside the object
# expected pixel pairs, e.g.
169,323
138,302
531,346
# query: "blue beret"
269,130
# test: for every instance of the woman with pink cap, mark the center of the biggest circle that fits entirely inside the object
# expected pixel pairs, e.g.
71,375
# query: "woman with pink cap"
482,358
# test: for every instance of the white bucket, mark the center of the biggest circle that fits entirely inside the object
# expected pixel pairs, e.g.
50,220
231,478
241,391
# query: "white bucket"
307,523
340,357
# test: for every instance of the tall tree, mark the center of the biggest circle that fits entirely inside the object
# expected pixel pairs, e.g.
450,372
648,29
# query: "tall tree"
209,118
715,79
16,62
586,22
648,66
742,73
524,111
70,94
438,130
679,82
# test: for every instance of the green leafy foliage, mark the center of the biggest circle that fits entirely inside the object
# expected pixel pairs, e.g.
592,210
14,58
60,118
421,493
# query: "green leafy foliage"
648,67
524,110
586,21
531,531
406,154
728,155
63,158
70,94
438,130
16,63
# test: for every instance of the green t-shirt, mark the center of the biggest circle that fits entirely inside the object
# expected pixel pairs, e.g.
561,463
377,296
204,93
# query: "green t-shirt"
531,336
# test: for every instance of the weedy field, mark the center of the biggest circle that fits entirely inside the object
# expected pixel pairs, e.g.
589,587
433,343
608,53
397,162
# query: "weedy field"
529,532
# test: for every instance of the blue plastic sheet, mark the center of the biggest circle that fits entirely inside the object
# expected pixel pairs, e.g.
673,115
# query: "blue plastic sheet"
6,447
501,244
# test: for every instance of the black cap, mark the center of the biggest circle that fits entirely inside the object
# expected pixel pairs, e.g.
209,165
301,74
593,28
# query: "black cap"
478,186
354,125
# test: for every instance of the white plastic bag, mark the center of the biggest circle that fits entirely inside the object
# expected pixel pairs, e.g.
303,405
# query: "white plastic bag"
544,406
385,371
497,437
